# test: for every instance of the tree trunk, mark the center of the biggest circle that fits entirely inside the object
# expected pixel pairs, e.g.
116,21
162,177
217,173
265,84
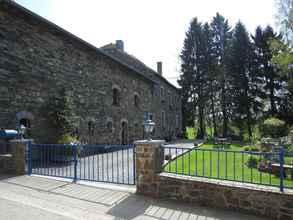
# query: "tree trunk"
224,110
215,134
272,98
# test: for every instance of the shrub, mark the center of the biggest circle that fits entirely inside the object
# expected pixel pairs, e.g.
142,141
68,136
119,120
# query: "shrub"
252,162
251,148
67,139
274,127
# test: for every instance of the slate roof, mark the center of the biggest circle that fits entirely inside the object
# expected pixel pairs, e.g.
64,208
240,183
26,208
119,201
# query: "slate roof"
134,62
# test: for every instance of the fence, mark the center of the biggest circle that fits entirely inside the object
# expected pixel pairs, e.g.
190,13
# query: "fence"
264,168
101,163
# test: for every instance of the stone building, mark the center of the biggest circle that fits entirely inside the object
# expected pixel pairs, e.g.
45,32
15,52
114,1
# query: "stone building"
113,92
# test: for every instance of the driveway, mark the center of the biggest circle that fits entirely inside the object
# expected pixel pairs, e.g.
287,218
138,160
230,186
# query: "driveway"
31,197
115,167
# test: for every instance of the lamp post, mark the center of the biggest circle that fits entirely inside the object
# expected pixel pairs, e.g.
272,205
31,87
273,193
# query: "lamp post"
149,127
21,130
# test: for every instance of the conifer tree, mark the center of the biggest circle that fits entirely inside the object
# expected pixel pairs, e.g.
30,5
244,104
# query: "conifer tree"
221,35
60,115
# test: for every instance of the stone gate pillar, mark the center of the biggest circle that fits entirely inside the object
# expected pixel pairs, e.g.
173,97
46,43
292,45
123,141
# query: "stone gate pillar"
14,162
149,161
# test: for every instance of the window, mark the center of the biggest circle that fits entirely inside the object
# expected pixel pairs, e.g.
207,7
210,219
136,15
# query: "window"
169,98
148,116
136,131
177,121
162,94
163,120
116,98
136,100
91,128
110,126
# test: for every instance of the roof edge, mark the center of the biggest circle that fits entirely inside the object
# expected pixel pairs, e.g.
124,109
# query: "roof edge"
62,30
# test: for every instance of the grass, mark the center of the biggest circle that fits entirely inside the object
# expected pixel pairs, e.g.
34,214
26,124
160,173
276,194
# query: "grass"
222,164
190,132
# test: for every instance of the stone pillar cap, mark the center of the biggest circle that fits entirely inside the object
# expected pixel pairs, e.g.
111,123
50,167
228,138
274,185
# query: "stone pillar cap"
149,142
20,140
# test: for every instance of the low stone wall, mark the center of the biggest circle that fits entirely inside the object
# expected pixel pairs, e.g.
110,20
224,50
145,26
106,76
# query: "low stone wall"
247,198
14,162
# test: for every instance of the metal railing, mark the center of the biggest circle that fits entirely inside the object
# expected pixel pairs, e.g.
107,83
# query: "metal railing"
101,163
263,168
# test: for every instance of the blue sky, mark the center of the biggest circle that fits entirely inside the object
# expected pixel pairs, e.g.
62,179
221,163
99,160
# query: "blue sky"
152,30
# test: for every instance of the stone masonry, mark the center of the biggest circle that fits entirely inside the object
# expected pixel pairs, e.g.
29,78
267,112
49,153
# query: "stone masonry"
247,198
38,57
14,162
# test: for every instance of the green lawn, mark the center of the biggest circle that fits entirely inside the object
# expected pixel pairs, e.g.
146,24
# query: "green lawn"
210,162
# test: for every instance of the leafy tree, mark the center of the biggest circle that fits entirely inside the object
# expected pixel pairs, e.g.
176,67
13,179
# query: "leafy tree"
285,18
60,116
274,127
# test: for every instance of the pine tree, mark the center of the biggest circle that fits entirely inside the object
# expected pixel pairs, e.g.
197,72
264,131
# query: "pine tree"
60,115
221,39
269,71
245,79
209,68
194,72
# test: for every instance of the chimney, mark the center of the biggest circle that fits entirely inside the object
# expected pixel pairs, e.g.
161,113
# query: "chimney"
120,45
160,68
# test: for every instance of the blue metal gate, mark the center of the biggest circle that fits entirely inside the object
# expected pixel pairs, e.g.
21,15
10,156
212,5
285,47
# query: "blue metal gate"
101,163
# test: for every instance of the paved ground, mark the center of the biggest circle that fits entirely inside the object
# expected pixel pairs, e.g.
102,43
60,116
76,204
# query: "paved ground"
116,166
35,198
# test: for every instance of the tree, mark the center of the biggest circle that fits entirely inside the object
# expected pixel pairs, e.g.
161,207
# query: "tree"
245,79
194,71
60,116
221,36
209,67
269,71
285,18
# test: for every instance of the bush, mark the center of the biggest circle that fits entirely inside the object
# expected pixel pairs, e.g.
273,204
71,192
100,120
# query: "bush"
274,128
252,162
67,139
251,148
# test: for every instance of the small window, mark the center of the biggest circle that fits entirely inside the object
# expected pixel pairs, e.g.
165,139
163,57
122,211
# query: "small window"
148,116
162,94
116,98
110,126
169,98
91,128
136,131
163,120
177,121
136,100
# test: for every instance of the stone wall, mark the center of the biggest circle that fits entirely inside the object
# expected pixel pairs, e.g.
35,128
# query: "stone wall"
37,58
14,162
247,198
